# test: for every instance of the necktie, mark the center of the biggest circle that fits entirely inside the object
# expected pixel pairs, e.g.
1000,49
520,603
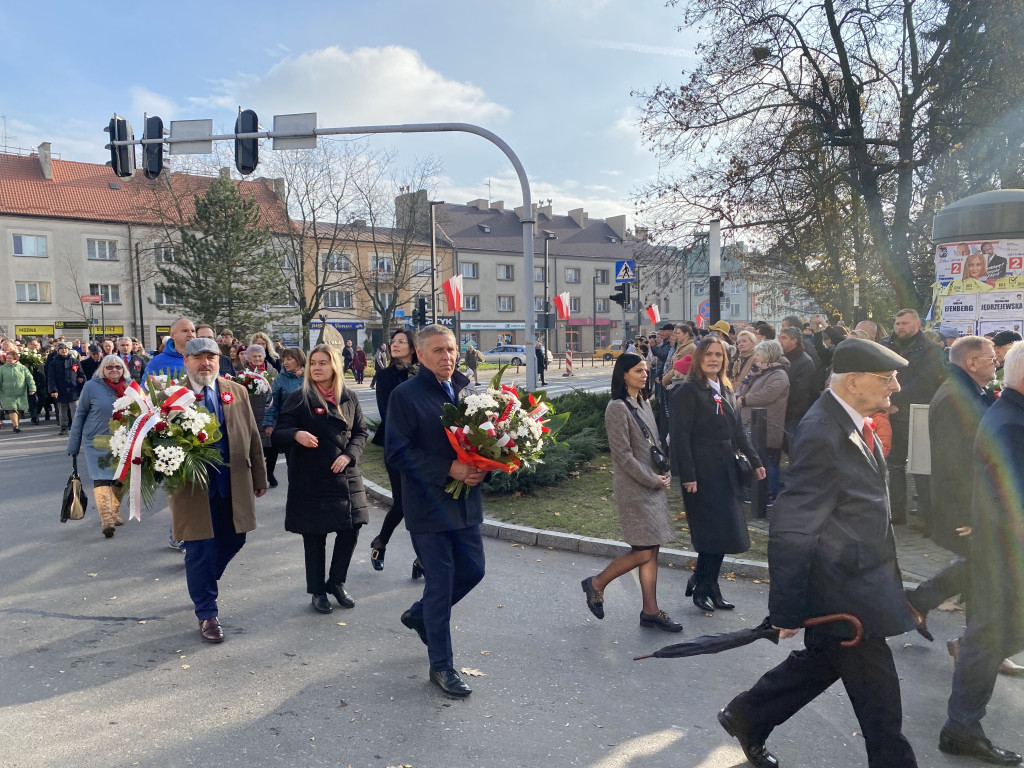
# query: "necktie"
448,388
209,401
869,435
126,359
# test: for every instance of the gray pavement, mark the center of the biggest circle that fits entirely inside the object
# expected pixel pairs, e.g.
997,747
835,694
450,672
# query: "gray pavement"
102,665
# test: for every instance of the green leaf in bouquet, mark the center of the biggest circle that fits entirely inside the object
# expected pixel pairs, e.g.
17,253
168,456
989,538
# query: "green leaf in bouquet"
555,423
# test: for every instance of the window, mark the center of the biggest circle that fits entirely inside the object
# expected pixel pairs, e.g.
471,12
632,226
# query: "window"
421,268
384,264
506,272
385,299
160,296
601,276
427,301
574,304
664,306
572,274
699,289
336,262
164,253
338,299
101,250
285,299
602,305
538,303
469,269
111,294
506,303
660,279
470,302
288,261
30,245
736,288
36,292
538,274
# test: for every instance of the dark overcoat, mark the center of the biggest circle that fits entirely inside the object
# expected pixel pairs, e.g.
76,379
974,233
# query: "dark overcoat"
319,500
953,418
831,546
703,450
416,444
996,556
387,379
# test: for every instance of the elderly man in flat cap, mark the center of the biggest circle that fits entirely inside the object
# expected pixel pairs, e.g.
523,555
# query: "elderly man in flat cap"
213,521
831,549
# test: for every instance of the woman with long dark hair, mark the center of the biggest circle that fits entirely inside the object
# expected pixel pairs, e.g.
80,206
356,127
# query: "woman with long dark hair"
706,431
322,427
639,488
404,364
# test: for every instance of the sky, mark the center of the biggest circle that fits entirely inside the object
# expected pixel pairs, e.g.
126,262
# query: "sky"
553,78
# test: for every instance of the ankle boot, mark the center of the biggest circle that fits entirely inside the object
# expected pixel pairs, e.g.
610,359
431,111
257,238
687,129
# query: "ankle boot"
101,493
715,593
702,599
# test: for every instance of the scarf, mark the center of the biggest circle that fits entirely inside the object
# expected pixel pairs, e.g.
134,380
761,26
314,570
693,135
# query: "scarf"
327,394
119,387
261,369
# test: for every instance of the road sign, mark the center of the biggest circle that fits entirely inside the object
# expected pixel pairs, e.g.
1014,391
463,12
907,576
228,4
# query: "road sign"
705,309
92,299
625,271
399,314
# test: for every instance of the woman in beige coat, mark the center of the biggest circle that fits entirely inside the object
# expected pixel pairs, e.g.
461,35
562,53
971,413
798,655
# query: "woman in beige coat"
639,493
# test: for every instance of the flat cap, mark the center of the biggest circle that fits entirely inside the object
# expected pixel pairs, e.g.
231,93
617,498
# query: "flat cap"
1003,338
667,327
855,355
199,346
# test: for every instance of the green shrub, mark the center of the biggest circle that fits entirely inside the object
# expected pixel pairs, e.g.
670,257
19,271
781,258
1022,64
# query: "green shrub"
587,409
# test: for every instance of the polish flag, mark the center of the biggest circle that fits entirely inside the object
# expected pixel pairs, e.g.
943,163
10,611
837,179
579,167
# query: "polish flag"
700,321
562,305
453,293
654,314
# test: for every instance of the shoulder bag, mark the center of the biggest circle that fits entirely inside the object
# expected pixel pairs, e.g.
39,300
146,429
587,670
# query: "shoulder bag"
658,458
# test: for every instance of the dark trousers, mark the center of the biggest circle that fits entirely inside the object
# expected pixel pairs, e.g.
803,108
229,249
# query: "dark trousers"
206,559
982,649
454,564
395,515
869,676
315,548
897,462
270,459
950,581
708,568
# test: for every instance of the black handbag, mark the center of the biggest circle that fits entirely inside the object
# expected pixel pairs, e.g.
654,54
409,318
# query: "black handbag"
744,470
75,501
658,457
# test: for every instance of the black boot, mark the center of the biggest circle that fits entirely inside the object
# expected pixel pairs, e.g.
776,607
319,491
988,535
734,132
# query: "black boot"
702,599
715,593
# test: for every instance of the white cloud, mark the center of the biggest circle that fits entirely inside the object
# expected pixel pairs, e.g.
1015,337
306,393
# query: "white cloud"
626,130
656,50
144,100
366,86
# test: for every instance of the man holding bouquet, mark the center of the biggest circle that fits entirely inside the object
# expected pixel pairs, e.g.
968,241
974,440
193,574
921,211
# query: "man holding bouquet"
445,530
213,521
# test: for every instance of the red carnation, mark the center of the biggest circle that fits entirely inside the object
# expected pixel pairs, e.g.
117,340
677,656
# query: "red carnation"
118,415
160,426
201,437
137,460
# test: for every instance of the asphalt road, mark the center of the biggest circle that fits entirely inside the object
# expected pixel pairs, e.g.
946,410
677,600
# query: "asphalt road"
102,663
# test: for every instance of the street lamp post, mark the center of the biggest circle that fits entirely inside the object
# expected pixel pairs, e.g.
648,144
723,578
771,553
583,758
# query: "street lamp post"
548,237
594,294
433,260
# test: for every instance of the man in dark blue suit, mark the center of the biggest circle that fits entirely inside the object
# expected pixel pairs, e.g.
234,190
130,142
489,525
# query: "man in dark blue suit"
831,549
445,531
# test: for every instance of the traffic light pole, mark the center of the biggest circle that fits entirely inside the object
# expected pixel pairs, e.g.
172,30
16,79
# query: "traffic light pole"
715,272
117,130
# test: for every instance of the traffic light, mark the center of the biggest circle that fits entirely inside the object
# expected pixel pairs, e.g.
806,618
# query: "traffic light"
421,304
122,159
620,298
153,154
247,151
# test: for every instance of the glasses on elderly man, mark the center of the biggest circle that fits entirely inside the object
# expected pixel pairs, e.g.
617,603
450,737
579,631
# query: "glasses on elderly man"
888,379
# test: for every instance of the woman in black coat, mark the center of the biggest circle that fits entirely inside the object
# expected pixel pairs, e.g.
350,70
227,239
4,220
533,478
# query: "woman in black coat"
404,364
322,425
706,431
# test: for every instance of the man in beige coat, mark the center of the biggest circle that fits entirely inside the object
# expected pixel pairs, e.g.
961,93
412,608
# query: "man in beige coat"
213,520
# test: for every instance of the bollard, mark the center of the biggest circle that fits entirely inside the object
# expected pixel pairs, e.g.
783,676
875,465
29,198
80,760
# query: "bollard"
568,363
759,439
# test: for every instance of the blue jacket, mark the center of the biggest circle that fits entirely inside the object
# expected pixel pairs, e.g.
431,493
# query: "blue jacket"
283,385
168,361
416,445
95,407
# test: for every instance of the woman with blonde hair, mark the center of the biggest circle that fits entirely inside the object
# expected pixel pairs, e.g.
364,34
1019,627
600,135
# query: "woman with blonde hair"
269,351
767,386
322,426
745,343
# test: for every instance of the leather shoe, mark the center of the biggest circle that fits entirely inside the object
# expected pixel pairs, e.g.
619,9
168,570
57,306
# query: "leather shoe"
415,622
715,593
595,597
982,748
344,598
211,631
756,752
449,681
702,600
660,620
1010,669
321,604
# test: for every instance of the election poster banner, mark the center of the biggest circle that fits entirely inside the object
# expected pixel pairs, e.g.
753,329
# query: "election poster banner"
984,260
960,307
995,326
962,327
1002,305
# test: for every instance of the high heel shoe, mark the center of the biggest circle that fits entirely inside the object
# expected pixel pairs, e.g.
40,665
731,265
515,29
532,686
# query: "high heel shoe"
417,569
715,593
690,584
701,599
377,554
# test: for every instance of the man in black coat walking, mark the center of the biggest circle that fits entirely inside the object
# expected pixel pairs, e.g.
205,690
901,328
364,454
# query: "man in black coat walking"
995,603
831,549
445,531
801,380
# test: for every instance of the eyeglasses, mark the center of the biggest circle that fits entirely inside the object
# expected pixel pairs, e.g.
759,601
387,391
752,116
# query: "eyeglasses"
985,357
888,379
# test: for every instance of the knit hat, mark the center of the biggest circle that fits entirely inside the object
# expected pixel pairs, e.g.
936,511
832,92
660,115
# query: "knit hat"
682,365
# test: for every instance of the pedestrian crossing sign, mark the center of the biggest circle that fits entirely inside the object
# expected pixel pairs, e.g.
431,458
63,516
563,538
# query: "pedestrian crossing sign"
625,271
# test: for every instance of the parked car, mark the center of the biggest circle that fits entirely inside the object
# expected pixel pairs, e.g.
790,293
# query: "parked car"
610,352
508,353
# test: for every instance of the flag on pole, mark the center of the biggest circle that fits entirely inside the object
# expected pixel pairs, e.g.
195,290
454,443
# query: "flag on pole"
453,293
562,305
654,314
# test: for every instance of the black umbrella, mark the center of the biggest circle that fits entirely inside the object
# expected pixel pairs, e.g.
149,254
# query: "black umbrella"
700,646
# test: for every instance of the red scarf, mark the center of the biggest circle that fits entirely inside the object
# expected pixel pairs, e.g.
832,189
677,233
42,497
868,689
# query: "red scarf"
262,368
119,387
328,394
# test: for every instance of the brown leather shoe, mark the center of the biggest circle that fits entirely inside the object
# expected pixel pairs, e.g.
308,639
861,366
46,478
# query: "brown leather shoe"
211,631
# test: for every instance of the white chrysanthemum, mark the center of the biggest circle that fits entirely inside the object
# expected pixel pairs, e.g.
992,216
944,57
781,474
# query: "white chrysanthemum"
168,459
191,420
123,403
118,441
477,403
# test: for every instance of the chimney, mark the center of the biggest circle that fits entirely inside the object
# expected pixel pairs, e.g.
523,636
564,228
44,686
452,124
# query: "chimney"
546,210
498,205
45,160
618,225
225,173
277,186
480,204
579,216
641,234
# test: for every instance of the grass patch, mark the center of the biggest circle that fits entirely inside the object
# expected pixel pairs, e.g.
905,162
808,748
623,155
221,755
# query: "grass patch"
583,504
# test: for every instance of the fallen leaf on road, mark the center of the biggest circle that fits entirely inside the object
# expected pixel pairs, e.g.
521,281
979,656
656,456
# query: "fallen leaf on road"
92,575
472,672
186,666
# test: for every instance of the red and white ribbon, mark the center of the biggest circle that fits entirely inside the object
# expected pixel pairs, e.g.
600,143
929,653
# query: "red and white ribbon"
718,404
